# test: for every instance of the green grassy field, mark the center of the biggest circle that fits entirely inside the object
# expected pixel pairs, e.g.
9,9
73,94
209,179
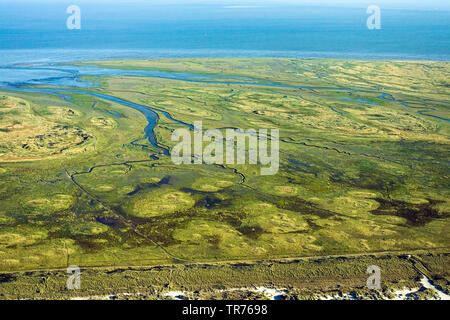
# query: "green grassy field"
359,172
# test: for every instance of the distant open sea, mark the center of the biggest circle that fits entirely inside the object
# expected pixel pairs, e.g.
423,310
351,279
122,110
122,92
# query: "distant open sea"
38,33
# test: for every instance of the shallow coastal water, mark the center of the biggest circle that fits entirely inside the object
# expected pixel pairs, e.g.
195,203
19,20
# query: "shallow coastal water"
216,29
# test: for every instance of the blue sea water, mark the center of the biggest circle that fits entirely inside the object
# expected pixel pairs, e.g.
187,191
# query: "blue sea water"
36,32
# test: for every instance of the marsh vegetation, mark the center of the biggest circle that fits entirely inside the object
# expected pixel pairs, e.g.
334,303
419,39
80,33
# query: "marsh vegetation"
363,166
